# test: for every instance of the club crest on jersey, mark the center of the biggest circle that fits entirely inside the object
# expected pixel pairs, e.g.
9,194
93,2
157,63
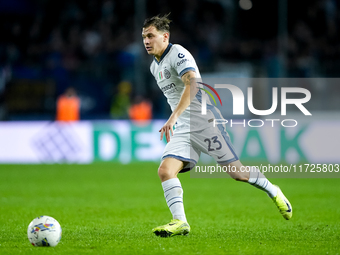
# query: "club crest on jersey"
164,74
167,74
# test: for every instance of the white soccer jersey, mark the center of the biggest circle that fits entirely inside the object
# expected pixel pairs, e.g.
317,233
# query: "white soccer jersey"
174,62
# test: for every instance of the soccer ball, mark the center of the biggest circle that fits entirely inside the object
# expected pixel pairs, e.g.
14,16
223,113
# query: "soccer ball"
44,231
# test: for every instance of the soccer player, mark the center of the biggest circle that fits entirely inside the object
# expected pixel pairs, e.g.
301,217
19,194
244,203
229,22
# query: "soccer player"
176,73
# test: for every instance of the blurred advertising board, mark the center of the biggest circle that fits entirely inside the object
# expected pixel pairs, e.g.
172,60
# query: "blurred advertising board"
86,142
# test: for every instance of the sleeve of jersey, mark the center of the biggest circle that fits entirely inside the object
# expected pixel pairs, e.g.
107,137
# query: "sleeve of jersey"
183,61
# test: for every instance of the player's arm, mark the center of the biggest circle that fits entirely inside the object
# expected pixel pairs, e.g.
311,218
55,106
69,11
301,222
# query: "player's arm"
190,88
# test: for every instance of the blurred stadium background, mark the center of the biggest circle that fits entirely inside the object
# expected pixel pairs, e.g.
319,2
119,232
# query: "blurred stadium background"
95,48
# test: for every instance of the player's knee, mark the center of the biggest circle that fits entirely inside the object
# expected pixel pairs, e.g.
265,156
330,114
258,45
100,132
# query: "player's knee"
165,173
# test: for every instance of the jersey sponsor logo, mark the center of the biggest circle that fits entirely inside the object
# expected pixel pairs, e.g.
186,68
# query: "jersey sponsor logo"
171,86
180,55
182,61
167,74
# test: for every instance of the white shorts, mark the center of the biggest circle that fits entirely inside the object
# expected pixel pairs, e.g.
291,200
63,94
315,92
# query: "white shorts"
187,147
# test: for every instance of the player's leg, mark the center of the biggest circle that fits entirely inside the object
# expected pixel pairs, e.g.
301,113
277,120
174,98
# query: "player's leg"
173,193
221,149
169,168
178,156
253,176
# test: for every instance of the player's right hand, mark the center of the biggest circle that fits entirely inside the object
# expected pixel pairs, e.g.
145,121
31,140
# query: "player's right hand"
167,129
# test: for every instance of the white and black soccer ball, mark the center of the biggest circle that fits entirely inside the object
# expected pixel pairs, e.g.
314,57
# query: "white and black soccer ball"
44,231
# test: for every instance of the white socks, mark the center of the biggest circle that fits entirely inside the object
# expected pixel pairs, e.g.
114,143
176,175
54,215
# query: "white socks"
258,180
173,194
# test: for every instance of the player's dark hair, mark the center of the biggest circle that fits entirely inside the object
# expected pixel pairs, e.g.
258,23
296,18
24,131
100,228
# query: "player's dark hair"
160,23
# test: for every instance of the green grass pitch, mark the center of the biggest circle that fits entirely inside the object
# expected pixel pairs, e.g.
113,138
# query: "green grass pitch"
111,209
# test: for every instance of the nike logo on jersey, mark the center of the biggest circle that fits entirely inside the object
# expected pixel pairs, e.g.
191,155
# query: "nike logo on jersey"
222,156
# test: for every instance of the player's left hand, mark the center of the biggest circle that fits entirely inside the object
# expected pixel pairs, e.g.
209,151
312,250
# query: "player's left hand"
167,129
